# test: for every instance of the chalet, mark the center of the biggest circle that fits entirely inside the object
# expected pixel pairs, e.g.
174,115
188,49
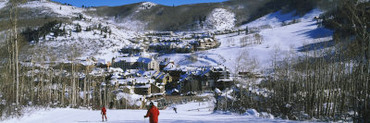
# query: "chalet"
143,73
170,66
222,77
164,33
142,89
115,70
147,64
132,50
205,78
200,35
164,63
127,89
162,77
142,86
198,80
125,62
207,82
190,83
148,89
141,63
157,89
207,43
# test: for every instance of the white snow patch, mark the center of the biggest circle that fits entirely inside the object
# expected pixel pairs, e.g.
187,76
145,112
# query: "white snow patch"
3,3
221,19
147,5
62,10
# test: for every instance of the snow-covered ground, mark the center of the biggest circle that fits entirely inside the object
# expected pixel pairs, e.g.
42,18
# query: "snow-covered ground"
221,19
186,113
276,40
62,10
92,43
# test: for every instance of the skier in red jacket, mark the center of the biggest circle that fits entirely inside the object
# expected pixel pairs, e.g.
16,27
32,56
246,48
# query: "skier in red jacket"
104,113
152,113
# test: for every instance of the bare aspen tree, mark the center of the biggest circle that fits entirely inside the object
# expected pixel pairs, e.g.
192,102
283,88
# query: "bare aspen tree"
72,92
13,16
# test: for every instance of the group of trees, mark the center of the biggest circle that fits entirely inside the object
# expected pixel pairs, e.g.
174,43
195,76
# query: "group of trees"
44,82
39,80
50,27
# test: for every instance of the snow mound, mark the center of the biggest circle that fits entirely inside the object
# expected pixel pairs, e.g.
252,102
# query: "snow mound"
221,19
147,5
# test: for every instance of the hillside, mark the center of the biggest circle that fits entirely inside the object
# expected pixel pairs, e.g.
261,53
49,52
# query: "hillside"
122,21
177,18
233,61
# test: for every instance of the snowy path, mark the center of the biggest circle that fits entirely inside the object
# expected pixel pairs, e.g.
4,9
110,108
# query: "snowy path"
186,114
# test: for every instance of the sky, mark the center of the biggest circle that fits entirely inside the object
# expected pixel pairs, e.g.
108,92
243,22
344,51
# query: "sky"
79,3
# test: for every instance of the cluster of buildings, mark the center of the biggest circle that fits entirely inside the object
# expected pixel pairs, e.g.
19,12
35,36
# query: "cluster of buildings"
169,42
144,75
137,71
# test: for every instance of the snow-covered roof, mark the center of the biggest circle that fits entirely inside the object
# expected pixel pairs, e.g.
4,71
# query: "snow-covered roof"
143,86
225,80
148,73
170,66
205,71
102,61
144,60
143,80
126,59
165,62
132,47
112,69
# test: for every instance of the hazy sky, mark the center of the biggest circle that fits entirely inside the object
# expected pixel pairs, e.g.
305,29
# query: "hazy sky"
79,3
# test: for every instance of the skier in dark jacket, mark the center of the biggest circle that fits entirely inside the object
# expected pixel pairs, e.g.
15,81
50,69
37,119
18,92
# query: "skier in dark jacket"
152,113
175,109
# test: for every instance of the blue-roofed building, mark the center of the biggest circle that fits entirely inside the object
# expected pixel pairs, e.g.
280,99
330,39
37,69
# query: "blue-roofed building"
164,63
162,77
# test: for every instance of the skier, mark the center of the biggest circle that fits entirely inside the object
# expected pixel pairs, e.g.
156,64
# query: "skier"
152,113
104,113
175,109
